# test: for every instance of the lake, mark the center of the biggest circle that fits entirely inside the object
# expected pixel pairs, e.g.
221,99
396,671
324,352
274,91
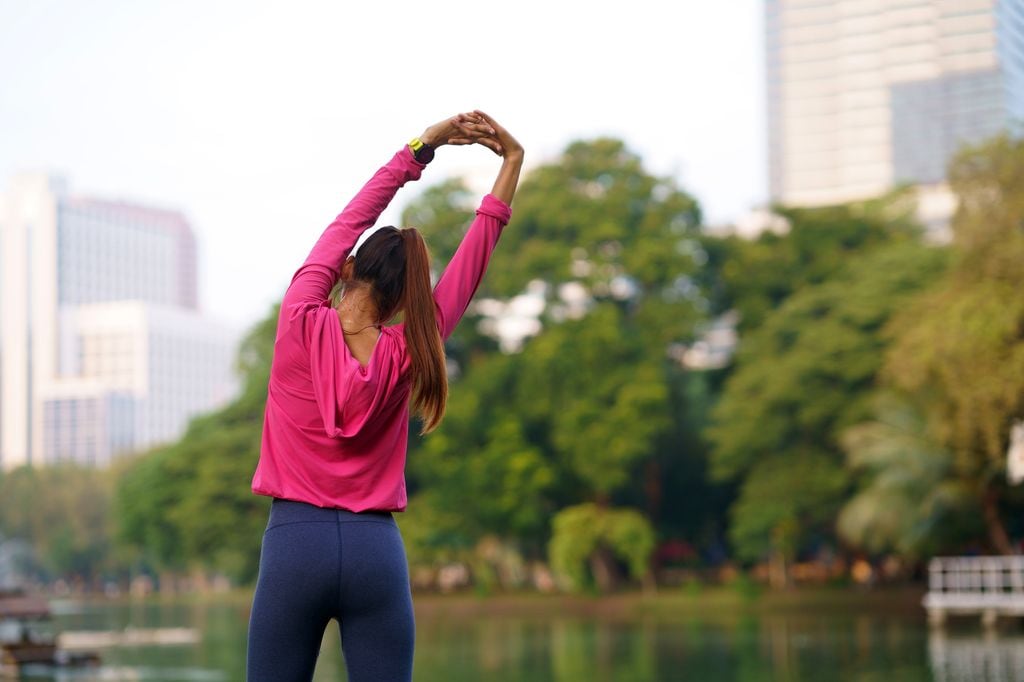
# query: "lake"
711,636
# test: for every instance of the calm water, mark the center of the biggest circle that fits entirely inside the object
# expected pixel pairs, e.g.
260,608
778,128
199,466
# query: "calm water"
586,644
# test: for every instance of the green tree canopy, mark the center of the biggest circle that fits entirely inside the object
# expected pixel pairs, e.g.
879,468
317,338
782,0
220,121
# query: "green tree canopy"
576,414
758,275
800,378
960,346
593,214
63,512
585,532
910,501
442,213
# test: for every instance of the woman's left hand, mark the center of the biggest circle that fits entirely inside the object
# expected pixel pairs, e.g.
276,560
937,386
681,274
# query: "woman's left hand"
460,129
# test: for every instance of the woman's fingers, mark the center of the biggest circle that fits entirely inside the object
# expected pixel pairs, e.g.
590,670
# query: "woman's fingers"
485,140
472,127
475,128
506,140
491,144
475,119
487,119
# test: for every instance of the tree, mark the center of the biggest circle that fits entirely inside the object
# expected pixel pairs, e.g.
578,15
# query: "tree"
63,512
591,533
801,378
442,213
960,346
910,502
480,467
585,408
757,276
145,495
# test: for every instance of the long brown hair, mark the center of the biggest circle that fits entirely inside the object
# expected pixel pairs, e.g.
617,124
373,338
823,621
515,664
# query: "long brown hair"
397,266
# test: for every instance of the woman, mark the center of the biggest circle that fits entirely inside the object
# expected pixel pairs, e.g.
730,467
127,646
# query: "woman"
336,421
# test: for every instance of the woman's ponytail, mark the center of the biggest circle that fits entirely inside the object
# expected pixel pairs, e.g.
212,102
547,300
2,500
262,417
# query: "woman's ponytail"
422,338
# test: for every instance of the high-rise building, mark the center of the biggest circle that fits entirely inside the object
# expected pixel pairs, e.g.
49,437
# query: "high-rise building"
102,348
864,95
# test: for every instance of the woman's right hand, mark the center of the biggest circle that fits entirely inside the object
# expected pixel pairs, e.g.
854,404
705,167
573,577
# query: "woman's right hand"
504,145
501,141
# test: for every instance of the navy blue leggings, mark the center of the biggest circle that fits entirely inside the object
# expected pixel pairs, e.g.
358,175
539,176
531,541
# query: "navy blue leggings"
317,564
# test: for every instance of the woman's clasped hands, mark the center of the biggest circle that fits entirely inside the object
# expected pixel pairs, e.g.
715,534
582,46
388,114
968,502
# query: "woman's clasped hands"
474,127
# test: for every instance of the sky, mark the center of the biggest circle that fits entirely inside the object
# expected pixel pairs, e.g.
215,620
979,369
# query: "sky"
260,120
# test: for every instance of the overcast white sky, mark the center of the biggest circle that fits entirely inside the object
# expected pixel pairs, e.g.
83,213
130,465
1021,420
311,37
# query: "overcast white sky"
260,120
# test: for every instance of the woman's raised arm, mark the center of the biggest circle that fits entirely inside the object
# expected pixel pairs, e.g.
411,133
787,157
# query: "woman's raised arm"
313,281
466,269
508,148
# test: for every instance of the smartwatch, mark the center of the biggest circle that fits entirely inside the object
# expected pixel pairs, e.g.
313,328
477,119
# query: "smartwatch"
423,152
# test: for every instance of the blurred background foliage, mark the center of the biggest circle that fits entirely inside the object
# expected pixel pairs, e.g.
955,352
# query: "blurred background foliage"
866,412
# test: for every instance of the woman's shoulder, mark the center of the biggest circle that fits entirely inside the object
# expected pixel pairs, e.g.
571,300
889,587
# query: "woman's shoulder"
394,336
396,348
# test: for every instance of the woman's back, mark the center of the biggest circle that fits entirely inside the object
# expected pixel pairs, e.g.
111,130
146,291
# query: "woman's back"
350,455
336,428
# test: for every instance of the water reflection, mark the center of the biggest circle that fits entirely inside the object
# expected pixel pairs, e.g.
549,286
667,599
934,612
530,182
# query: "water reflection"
457,642
967,658
109,673
754,648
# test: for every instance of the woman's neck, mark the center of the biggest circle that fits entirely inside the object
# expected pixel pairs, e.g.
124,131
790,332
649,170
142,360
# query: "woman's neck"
357,311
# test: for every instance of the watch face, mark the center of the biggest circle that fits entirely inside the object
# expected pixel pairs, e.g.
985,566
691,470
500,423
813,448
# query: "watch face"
425,154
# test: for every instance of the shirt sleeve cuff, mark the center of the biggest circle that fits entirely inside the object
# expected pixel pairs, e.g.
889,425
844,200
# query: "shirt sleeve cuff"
406,154
496,208
404,166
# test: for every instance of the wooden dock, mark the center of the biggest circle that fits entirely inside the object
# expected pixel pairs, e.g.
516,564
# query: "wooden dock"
987,586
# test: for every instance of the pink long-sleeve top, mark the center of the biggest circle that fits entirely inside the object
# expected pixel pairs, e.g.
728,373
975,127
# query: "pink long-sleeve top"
335,432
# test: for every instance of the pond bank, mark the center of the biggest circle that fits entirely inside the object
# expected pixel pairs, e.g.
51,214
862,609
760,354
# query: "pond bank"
707,602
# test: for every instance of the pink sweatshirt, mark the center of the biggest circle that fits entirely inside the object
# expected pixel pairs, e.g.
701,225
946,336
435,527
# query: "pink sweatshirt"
335,432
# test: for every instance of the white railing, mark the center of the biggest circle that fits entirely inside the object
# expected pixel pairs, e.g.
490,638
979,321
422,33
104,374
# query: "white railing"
990,586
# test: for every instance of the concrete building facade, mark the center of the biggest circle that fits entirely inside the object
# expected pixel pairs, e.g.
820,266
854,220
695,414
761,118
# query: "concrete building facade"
102,347
864,95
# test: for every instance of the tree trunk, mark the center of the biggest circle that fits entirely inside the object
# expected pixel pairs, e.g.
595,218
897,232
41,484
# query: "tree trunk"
199,581
168,580
653,489
997,534
649,582
778,571
602,565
